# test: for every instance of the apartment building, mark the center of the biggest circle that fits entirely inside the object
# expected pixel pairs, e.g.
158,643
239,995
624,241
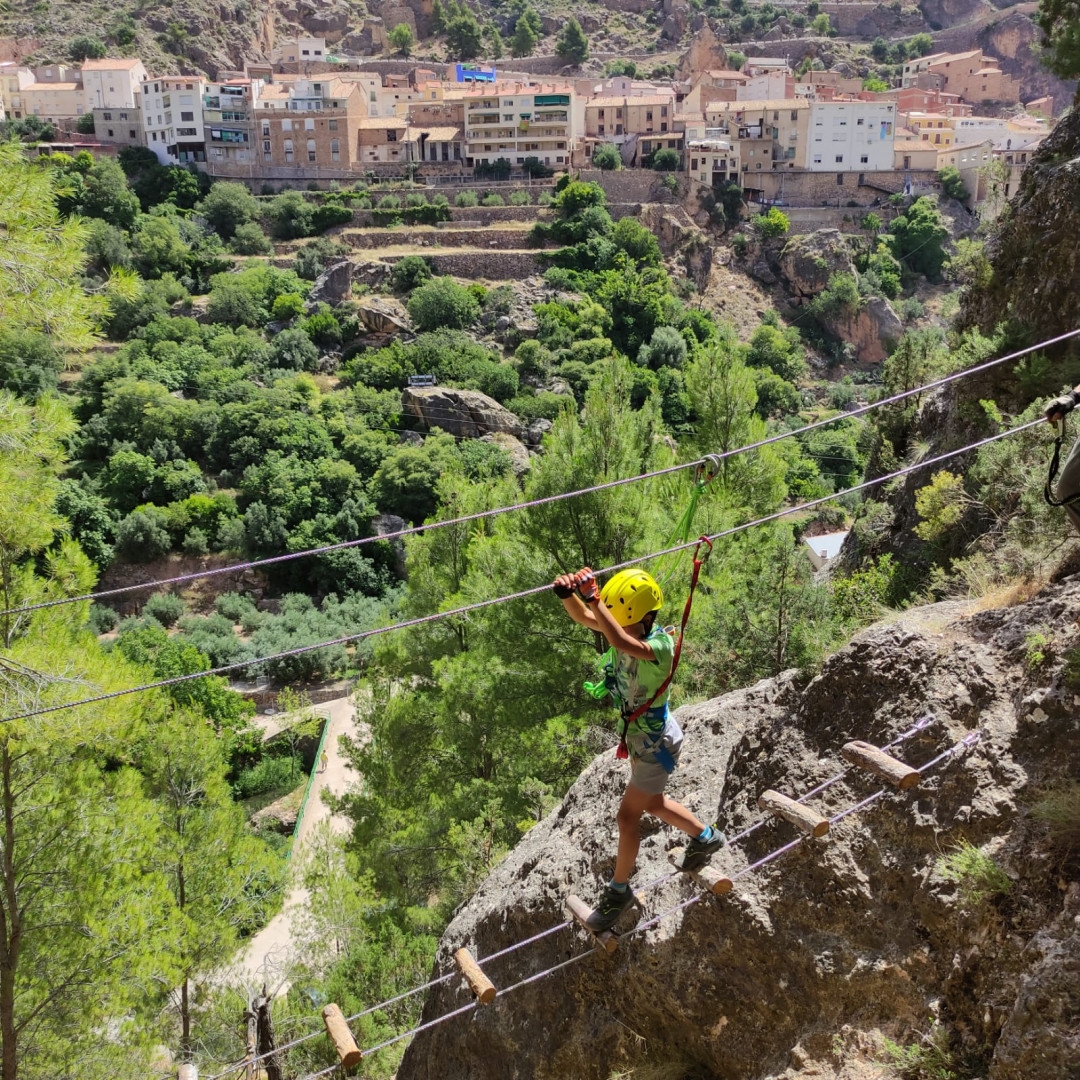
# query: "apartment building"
300,50
229,121
119,127
710,86
113,82
55,93
934,128
309,122
711,157
1000,129
172,117
764,135
14,79
614,118
771,85
435,132
849,135
519,121
917,99
971,75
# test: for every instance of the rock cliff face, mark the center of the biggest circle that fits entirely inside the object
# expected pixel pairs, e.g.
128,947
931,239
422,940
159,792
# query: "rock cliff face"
807,262
794,972
466,413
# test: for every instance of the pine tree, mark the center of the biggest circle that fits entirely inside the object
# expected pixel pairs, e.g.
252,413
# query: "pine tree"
495,42
572,45
463,35
526,33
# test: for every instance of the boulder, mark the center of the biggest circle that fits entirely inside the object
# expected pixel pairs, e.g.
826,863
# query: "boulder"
465,413
874,328
811,958
382,316
537,429
807,262
384,524
705,54
677,23
333,285
329,23
763,273
520,461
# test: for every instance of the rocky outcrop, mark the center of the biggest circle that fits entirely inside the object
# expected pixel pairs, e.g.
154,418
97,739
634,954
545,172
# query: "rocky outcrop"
466,413
333,285
381,315
873,329
519,454
942,13
807,262
1033,249
705,54
815,954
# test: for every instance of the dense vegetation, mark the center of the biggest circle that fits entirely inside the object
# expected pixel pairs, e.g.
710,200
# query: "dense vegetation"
234,418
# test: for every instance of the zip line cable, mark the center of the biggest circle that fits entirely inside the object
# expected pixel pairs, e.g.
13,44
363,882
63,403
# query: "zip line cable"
544,500
524,593
965,743
483,961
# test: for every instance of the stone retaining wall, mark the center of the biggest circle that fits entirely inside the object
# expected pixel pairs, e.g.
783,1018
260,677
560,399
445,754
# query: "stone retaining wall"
630,185
477,265
441,238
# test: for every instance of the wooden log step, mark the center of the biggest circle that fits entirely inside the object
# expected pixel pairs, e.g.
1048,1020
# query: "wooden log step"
810,821
710,879
881,764
479,983
341,1036
581,912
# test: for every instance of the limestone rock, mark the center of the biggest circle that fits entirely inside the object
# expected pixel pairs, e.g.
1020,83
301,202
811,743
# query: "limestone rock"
329,23
466,413
383,316
537,429
855,929
873,329
705,54
807,262
519,453
939,13
333,285
763,273
384,524
676,23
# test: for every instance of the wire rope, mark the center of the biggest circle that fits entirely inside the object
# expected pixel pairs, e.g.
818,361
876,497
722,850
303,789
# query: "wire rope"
521,595
398,534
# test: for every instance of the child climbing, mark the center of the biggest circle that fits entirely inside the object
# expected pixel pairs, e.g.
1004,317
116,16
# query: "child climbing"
638,676
1066,492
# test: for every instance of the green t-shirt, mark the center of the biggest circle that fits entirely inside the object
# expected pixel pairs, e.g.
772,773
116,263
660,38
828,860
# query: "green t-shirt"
637,680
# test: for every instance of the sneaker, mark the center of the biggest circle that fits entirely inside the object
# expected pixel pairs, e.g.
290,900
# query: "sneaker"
698,851
612,904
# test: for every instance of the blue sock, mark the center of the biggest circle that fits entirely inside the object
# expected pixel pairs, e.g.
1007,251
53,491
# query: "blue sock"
618,886
706,834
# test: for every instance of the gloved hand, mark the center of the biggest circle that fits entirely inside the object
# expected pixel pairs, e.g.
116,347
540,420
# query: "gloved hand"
585,582
1060,407
563,586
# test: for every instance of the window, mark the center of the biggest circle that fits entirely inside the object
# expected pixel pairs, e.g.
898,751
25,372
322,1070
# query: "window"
311,149
600,129
663,125
132,133
109,133
309,125
776,116
335,150
864,160
693,164
839,159
794,114
286,125
187,132
106,116
663,110
391,135
266,146
153,136
187,116
840,179
288,149
508,117
817,159
166,100
266,127
648,115
859,122
332,124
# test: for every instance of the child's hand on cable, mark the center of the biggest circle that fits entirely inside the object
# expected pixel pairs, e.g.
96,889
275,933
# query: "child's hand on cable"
585,582
563,586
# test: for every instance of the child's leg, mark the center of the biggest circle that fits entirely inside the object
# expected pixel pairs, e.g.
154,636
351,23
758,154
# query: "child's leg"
675,814
633,805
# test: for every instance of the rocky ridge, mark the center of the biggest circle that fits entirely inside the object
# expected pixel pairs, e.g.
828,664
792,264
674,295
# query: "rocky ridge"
796,972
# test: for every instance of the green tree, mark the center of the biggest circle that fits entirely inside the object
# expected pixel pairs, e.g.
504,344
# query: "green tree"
84,125
918,238
606,156
402,39
227,206
442,302
875,86
736,60
1059,21
952,184
464,36
106,195
772,223
572,45
665,160
524,40
920,45
778,350
496,48
86,48
158,246
821,25
879,50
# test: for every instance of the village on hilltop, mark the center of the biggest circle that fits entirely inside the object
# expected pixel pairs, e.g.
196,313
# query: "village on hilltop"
310,117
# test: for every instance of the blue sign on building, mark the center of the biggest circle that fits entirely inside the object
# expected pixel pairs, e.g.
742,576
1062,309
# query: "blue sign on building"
474,73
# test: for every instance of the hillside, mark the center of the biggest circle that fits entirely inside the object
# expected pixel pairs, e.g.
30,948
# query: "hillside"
806,967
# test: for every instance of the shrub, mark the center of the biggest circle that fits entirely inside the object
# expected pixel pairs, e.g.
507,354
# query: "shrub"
492,199
773,223
294,350
323,327
952,184
665,160
911,309
102,619
440,303
740,243
389,202
143,535
227,206
929,1059
271,774
288,306
1059,811
165,607
666,348
977,876
290,215
466,198
329,214
545,198
195,542
86,48
520,198
415,199
606,156
411,272
249,239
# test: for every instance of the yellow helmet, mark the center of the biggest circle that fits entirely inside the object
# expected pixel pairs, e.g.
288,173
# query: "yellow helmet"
630,595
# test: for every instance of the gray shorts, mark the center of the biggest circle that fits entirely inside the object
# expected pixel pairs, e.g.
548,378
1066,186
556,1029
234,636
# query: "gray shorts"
650,753
1069,484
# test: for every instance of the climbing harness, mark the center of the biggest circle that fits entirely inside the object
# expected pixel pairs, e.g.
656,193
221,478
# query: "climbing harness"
640,711
1055,461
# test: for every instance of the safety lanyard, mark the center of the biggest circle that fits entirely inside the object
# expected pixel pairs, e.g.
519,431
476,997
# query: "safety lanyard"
1055,460
705,472
640,711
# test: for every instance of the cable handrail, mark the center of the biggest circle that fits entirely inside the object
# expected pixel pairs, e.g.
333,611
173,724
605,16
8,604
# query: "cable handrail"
398,534
478,605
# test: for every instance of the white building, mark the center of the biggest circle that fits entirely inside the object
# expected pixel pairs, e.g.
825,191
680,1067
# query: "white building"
999,129
515,122
822,549
299,51
172,118
112,83
851,136
772,85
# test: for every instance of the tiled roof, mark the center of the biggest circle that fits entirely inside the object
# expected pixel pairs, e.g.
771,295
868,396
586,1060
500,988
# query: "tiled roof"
112,63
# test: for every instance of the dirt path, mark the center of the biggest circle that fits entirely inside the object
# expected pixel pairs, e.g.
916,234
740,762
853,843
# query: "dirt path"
269,952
